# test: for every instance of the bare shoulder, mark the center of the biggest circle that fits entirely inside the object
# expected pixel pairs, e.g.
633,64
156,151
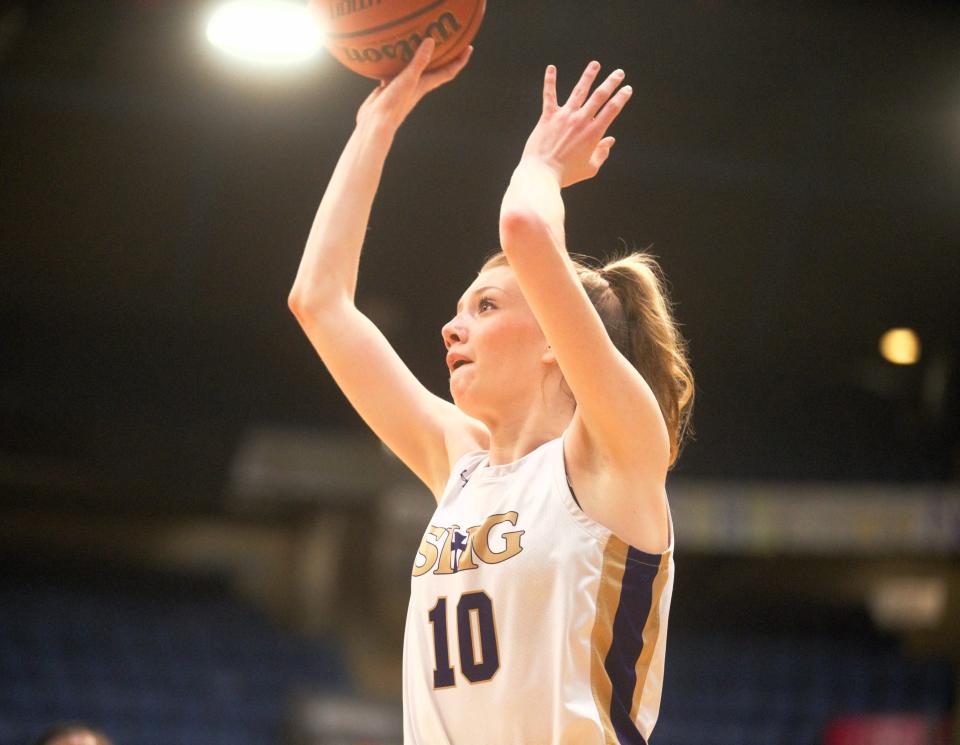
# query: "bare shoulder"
462,434
619,496
465,435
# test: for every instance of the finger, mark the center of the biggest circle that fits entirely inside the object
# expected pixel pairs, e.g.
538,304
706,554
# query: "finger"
604,148
603,92
550,89
417,64
421,58
612,108
449,71
579,93
455,66
601,153
423,54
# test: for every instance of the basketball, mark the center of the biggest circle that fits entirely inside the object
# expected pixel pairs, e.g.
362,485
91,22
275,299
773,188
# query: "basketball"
377,38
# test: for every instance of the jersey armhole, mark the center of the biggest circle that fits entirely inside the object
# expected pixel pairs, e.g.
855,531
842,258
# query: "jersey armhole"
460,474
595,529
570,503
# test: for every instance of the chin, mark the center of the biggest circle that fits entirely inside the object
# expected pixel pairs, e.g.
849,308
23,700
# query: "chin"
460,401
465,402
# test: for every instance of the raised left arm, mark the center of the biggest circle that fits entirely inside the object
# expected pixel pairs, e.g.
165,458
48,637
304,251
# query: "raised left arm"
618,422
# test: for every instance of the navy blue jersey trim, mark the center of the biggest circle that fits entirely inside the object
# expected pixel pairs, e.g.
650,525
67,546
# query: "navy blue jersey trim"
636,597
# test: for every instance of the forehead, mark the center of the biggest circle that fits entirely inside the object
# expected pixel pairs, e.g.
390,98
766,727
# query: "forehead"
76,738
498,276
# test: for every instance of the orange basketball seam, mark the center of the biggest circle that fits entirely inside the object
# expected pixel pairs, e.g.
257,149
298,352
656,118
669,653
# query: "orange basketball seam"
385,26
478,10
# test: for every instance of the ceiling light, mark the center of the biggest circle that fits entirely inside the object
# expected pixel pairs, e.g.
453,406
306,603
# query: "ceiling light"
900,346
267,32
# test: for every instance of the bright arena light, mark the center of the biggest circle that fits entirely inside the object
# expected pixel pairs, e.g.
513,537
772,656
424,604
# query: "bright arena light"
267,32
900,346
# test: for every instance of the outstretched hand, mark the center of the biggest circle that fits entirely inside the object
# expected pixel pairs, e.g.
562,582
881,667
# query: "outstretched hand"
394,99
571,139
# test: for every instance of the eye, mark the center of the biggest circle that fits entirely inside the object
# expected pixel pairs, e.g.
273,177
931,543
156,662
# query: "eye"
484,304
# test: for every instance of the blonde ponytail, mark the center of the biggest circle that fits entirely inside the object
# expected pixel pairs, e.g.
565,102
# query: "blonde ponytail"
652,340
630,296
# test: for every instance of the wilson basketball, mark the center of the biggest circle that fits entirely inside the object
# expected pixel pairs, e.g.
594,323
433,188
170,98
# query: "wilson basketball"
377,38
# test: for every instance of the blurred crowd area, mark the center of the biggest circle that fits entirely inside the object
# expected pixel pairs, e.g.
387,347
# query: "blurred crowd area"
198,548
283,626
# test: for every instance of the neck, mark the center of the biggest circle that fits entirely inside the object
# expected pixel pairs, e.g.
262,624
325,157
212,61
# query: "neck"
522,430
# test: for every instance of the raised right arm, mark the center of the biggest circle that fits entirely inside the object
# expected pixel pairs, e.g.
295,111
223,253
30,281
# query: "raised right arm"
425,431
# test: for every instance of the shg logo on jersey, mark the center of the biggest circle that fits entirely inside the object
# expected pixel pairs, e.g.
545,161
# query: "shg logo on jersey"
455,549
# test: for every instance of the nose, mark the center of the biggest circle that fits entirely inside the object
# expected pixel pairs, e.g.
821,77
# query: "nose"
454,331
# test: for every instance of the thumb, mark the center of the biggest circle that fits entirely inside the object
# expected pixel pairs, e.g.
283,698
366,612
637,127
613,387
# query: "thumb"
421,57
410,74
602,151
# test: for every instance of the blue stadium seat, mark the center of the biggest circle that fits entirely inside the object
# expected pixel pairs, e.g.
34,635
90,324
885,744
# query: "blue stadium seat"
730,689
187,667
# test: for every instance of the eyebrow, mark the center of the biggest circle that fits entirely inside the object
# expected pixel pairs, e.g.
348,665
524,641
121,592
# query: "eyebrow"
477,292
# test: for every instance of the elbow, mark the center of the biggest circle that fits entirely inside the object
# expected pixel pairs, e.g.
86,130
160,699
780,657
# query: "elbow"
294,300
315,310
302,311
306,306
519,220
298,303
523,229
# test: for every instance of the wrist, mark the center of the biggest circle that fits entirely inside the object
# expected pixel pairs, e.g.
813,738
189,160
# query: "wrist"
541,167
377,126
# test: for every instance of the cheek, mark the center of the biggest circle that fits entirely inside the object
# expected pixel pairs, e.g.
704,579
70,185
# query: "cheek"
516,343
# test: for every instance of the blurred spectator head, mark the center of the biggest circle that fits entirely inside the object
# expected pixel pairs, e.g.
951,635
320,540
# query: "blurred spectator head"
72,733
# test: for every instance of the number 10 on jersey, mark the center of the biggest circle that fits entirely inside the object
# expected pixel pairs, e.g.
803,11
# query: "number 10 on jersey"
478,662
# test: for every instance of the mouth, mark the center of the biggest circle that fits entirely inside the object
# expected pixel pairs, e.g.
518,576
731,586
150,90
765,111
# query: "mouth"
455,361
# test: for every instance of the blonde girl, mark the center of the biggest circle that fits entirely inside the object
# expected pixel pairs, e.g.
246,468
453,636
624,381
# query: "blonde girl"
541,589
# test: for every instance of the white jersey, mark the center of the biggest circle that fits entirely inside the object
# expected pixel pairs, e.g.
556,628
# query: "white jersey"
529,623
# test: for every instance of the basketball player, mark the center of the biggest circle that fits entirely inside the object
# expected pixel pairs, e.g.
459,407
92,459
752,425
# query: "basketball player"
73,733
540,591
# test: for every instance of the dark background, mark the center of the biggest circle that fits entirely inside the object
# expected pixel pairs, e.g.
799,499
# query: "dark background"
795,165
194,533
